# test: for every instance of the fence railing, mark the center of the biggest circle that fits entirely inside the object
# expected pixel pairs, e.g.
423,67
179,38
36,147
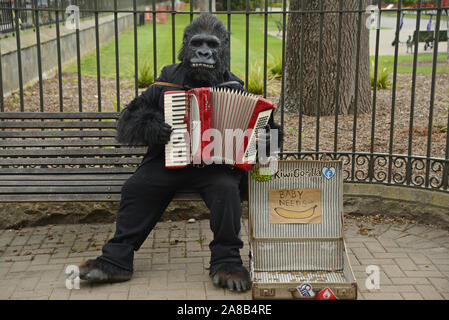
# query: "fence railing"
49,9
366,163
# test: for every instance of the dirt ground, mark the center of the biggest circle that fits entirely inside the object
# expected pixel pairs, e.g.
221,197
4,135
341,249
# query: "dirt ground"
419,145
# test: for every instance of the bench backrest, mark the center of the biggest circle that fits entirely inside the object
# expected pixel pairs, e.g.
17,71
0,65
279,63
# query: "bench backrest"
427,36
63,156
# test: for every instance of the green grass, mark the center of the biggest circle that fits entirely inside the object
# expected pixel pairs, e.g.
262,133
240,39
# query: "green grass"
164,46
405,63
238,40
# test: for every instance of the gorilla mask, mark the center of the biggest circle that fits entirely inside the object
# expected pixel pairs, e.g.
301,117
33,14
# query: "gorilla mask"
205,51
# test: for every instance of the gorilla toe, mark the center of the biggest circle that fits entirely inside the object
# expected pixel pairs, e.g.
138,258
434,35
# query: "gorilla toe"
102,271
232,276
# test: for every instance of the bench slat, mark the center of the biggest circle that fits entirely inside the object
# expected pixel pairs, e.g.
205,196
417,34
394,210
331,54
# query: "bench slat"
59,115
69,161
58,134
59,189
60,143
21,171
59,197
63,183
81,197
58,125
103,152
66,178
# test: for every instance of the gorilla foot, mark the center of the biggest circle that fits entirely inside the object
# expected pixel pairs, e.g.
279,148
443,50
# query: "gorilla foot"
102,271
232,276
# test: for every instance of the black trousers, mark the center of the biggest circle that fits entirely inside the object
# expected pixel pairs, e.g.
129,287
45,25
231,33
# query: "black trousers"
147,193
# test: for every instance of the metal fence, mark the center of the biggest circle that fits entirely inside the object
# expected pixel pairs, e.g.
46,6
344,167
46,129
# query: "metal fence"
362,166
48,9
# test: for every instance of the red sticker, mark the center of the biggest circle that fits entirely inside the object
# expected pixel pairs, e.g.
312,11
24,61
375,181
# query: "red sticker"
326,294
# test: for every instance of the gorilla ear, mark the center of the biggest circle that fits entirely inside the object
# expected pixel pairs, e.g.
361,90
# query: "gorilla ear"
185,39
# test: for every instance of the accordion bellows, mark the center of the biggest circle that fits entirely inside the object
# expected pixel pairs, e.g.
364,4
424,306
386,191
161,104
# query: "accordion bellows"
234,116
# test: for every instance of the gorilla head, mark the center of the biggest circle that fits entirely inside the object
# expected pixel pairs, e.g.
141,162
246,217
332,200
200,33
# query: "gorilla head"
205,51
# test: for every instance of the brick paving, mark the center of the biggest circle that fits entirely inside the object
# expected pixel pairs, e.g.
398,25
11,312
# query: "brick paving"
413,261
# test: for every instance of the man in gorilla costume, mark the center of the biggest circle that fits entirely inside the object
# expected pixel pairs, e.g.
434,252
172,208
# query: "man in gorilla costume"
204,63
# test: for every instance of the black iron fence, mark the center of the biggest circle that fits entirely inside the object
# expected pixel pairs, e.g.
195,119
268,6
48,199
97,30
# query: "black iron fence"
49,9
417,164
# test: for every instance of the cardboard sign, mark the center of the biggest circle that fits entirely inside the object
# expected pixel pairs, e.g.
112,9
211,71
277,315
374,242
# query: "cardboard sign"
295,206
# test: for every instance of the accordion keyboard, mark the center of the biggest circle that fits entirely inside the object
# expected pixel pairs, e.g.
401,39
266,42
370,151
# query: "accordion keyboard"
176,149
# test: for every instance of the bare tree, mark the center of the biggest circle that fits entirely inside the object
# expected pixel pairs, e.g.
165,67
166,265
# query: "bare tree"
307,70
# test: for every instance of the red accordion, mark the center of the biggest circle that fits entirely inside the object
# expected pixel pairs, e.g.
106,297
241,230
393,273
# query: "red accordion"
233,116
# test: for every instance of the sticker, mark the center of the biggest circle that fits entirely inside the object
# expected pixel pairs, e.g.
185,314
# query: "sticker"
326,294
261,175
328,172
305,290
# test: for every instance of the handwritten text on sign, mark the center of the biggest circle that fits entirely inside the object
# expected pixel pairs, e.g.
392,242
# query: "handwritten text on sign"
295,206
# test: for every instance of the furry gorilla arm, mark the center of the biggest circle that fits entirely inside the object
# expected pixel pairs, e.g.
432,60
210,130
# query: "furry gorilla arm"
141,123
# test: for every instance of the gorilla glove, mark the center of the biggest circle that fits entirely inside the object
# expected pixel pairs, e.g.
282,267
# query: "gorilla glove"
100,271
164,133
232,276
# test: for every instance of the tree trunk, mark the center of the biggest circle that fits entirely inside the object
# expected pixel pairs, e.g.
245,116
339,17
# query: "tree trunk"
204,5
309,67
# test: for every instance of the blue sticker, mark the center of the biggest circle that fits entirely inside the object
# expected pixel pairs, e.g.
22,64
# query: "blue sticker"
328,172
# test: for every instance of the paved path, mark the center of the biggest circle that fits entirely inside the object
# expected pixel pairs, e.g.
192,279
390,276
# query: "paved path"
413,260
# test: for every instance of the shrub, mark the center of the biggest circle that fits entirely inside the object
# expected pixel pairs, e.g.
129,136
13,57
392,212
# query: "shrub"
275,66
146,75
382,78
255,79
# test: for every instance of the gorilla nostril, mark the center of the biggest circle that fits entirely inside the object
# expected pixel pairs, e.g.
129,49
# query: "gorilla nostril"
204,53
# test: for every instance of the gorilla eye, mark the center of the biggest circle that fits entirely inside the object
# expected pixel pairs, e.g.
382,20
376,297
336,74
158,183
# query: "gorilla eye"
212,44
196,43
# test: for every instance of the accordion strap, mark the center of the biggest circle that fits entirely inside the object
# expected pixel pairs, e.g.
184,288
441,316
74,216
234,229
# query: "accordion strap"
228,83
174,85
168,84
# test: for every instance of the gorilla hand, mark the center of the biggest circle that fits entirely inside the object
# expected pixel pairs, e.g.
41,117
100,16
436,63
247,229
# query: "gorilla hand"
232,276
265,138
164,133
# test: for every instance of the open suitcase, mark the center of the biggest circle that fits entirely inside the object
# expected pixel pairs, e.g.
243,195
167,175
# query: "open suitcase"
297,250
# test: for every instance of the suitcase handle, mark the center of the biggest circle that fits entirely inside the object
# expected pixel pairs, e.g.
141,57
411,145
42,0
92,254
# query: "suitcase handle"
297,296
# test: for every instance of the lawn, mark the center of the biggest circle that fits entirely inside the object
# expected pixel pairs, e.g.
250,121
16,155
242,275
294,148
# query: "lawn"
164,46
238,40
405,63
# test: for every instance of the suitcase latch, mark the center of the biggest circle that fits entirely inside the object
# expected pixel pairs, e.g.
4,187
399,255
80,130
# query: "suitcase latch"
267,292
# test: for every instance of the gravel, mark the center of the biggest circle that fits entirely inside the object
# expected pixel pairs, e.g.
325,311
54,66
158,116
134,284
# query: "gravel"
419,145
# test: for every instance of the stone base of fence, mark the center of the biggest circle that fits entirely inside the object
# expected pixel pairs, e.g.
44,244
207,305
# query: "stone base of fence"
423,206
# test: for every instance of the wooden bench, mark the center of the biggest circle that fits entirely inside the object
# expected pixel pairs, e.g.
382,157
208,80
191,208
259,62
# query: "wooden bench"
65,157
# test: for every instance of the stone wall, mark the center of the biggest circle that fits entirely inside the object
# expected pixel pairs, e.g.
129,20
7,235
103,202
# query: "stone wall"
49,53
425,206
